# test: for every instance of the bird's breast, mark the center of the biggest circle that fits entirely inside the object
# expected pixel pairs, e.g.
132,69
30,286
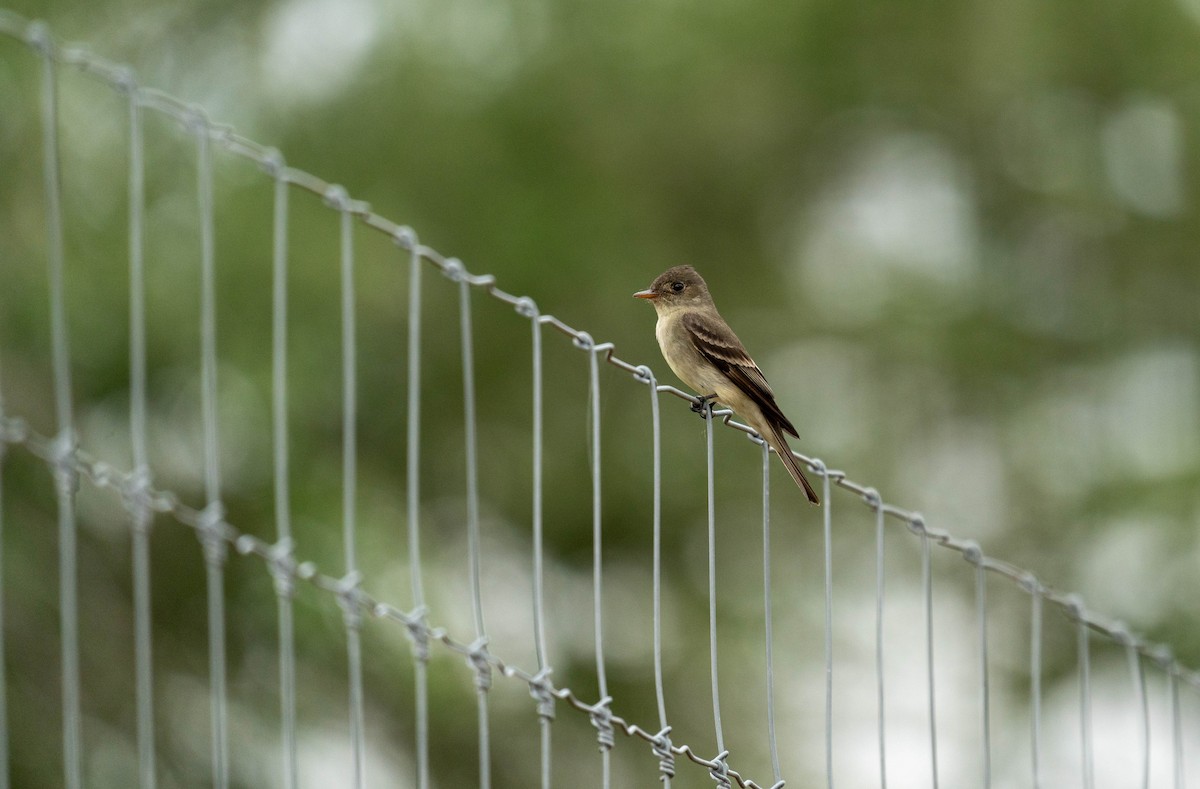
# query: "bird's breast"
683,358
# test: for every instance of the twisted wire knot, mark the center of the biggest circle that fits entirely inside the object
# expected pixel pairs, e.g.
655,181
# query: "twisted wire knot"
477,658
644,375
972,552
1075,607
349,596
273,163
661,746
196,121
337,198
136,493
818,467
64,462
720,770
282,565
540,689
454,270
601,718
405,238
584,341
1121,634
916,525
418,631
526,307
872,499
125,80
38,36
210,528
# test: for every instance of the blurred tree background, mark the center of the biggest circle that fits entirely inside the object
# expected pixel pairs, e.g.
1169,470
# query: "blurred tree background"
961,239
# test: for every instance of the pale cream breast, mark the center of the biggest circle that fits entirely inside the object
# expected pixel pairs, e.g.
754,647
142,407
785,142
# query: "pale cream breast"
683,358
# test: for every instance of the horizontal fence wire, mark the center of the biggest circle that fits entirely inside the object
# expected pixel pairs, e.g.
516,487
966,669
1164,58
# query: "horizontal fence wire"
70,462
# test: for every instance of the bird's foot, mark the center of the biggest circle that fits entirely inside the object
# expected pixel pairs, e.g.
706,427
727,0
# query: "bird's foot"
704,400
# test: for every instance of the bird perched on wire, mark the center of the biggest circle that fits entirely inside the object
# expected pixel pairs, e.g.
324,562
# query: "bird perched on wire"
704,352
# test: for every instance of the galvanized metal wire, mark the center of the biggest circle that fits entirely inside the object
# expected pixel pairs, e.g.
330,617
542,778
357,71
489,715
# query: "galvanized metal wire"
143,643
283,562
144,501
38,36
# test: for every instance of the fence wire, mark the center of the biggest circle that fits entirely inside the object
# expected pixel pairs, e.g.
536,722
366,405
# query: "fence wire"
143,500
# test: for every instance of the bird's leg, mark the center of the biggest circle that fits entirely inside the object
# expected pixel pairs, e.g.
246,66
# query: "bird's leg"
702,406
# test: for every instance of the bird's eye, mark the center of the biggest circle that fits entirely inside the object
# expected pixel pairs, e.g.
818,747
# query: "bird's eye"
677,287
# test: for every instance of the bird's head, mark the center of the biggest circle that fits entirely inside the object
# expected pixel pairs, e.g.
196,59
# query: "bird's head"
680,286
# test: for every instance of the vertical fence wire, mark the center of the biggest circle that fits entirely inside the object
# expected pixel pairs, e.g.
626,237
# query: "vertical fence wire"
927,585
1035,680
214,532
54,230
211,531
827,541
1176,726
351,610
769,648
349,387
539,619
478,657
975,554
208,308
662,742
873,498
601,719
211,524
1138,677
413,476
140,511
472,467
64,474
1085,697
597,526
284,587
721,779
545,700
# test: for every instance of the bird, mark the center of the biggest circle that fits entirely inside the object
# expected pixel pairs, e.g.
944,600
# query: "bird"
705,354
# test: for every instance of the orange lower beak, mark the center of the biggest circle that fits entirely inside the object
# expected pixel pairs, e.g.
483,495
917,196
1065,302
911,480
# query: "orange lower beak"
645,294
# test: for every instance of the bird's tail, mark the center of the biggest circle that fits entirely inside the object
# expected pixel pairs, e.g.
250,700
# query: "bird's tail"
780,445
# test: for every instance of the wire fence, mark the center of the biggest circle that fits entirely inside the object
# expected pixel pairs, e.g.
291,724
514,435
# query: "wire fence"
72,463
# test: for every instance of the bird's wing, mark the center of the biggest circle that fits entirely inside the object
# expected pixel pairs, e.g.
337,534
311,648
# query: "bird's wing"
718,344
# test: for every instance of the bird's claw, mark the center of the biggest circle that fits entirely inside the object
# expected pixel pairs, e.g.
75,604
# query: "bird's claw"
702,405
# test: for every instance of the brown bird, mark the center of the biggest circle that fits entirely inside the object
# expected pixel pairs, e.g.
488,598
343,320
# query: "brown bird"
704,352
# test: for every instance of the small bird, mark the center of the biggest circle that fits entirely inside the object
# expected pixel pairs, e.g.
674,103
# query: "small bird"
704,352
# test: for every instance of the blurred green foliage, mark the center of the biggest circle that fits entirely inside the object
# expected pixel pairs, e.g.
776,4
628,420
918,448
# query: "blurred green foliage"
960,238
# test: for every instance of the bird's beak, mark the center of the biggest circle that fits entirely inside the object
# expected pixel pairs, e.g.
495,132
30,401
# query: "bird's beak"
645,294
